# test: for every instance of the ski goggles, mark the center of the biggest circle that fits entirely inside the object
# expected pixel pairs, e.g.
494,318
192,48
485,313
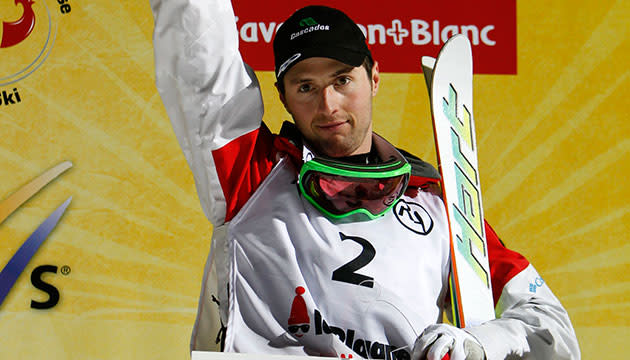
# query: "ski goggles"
339,189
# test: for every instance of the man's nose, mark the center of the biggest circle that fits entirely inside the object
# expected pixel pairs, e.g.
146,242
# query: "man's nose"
329,100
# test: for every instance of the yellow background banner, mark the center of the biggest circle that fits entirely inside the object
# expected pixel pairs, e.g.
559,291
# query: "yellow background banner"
554,145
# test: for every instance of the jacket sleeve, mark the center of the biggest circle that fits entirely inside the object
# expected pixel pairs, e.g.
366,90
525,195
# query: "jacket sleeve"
212,99
531,323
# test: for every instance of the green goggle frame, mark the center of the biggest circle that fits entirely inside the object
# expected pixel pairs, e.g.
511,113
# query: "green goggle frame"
370,190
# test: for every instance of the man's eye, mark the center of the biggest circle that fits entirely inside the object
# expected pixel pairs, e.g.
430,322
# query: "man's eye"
343,80
304,88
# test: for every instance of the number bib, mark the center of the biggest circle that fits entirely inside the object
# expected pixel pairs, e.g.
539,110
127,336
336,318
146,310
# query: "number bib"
299,283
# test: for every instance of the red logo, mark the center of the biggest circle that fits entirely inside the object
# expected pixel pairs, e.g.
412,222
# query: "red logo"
25,43
17,31
299,321
398,33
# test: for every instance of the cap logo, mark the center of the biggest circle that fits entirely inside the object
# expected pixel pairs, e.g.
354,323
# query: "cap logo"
310,28
289,61
309,21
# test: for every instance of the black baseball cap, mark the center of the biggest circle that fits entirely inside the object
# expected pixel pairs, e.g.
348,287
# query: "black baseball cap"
318,31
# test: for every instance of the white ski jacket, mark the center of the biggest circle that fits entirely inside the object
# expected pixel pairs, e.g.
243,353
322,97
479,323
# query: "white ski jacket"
281,278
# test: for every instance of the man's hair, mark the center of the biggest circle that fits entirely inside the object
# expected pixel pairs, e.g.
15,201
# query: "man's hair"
368,64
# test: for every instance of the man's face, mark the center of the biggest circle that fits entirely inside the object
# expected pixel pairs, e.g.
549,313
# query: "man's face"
331,104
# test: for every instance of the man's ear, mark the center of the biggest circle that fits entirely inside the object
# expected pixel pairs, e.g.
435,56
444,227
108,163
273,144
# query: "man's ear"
375,78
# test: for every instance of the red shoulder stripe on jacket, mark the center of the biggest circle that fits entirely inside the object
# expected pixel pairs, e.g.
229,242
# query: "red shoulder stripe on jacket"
242,165
504,263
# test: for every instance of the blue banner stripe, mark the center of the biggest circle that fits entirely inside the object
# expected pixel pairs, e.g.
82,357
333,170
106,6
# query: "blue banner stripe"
25,253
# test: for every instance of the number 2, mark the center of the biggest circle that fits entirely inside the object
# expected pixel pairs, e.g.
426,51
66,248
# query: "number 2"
347,273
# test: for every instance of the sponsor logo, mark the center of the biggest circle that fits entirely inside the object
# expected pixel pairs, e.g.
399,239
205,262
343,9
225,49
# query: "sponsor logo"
299,325
27,38
299,321
287,63
17,263
414,217
363,347
309,21
460,167
310,29
534,285
399,34
413,32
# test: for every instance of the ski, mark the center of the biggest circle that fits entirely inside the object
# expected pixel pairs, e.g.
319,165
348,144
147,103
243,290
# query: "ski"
449,80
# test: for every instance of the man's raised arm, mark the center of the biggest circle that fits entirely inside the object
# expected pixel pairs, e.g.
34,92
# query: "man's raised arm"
210,95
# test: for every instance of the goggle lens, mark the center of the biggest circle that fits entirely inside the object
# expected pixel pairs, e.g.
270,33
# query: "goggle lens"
341,195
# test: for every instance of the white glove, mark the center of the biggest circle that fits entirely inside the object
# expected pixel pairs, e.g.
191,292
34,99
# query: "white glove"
439,339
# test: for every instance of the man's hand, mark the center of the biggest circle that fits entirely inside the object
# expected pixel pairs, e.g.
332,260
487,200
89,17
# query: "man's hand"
440,339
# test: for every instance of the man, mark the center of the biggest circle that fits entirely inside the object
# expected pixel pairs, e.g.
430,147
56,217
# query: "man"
327,240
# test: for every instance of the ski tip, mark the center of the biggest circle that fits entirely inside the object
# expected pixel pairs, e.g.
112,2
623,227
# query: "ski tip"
428,62
458,40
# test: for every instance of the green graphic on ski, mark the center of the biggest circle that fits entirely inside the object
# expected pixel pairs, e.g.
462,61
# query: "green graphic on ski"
449,79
